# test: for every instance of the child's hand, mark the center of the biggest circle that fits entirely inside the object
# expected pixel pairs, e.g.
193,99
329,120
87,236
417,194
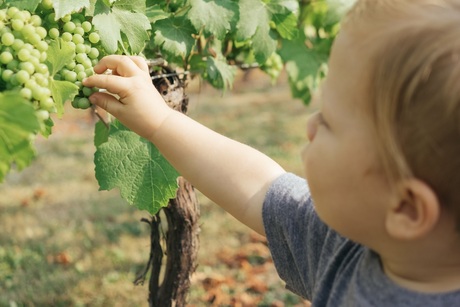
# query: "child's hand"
139,105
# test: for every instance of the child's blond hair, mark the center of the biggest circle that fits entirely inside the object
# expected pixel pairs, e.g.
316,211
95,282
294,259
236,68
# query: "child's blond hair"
414,88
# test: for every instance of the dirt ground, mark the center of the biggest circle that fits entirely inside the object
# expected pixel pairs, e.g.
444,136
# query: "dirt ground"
64,243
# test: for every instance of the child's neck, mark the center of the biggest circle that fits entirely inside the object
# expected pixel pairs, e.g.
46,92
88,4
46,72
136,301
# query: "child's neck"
425,269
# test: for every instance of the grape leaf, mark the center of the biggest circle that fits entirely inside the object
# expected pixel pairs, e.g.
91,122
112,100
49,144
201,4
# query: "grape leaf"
59,53
64,7
155,13
305,67
286,25
216,17
135,166
264,39
101,134
29,5
134,26
219,73
18,123
137,6
62,91
123,18
175,36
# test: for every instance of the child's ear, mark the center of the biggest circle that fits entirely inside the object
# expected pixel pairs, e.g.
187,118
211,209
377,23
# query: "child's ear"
415,212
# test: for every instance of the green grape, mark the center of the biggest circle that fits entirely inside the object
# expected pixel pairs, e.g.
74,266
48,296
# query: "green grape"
27,66
71,65
7,39
42,46
28,30
26,93
93,53
93,37
47,104
66,36
79,30
12,11
69,27
42,115
53,33
87,91
66,18
35,20
17,44
51,18
86,26
79,67
78,39
81,58
41,79
13,65
83,103
34,39
23,55
70,76
42,69
41,31
17,24
75,103
81,75
6,57
7,74
80,48
22,76
47,4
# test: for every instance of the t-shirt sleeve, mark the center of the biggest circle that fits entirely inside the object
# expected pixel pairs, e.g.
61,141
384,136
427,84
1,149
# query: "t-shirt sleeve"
300,243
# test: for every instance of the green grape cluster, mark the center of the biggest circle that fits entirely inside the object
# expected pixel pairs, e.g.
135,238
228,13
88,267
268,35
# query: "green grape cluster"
80,35
22,59
273,66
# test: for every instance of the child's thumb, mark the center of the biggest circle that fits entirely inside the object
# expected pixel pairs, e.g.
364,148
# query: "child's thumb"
106,102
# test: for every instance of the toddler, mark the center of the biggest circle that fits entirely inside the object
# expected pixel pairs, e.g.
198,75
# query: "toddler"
376,222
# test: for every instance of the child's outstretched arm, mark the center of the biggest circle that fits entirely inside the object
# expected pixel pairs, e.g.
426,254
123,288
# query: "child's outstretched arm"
233,175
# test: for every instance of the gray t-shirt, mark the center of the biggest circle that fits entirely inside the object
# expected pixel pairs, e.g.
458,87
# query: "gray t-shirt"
323,267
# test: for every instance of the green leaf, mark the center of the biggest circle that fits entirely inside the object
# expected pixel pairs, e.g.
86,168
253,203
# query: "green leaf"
155,13
62,91
305,67
18,123
109,30
248,24
112,23
174,35
30,5
59,53
216,17
286,25
264,39
134,26
135,166
101,134
219,73
137,6
65,7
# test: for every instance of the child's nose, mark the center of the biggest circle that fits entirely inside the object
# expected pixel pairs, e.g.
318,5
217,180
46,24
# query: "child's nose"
312,126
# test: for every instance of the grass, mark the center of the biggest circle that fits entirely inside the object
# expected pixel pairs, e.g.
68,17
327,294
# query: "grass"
64,243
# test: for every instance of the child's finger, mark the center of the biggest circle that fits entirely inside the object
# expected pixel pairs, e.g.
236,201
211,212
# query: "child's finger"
119,64
140,62
106,102
113,84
